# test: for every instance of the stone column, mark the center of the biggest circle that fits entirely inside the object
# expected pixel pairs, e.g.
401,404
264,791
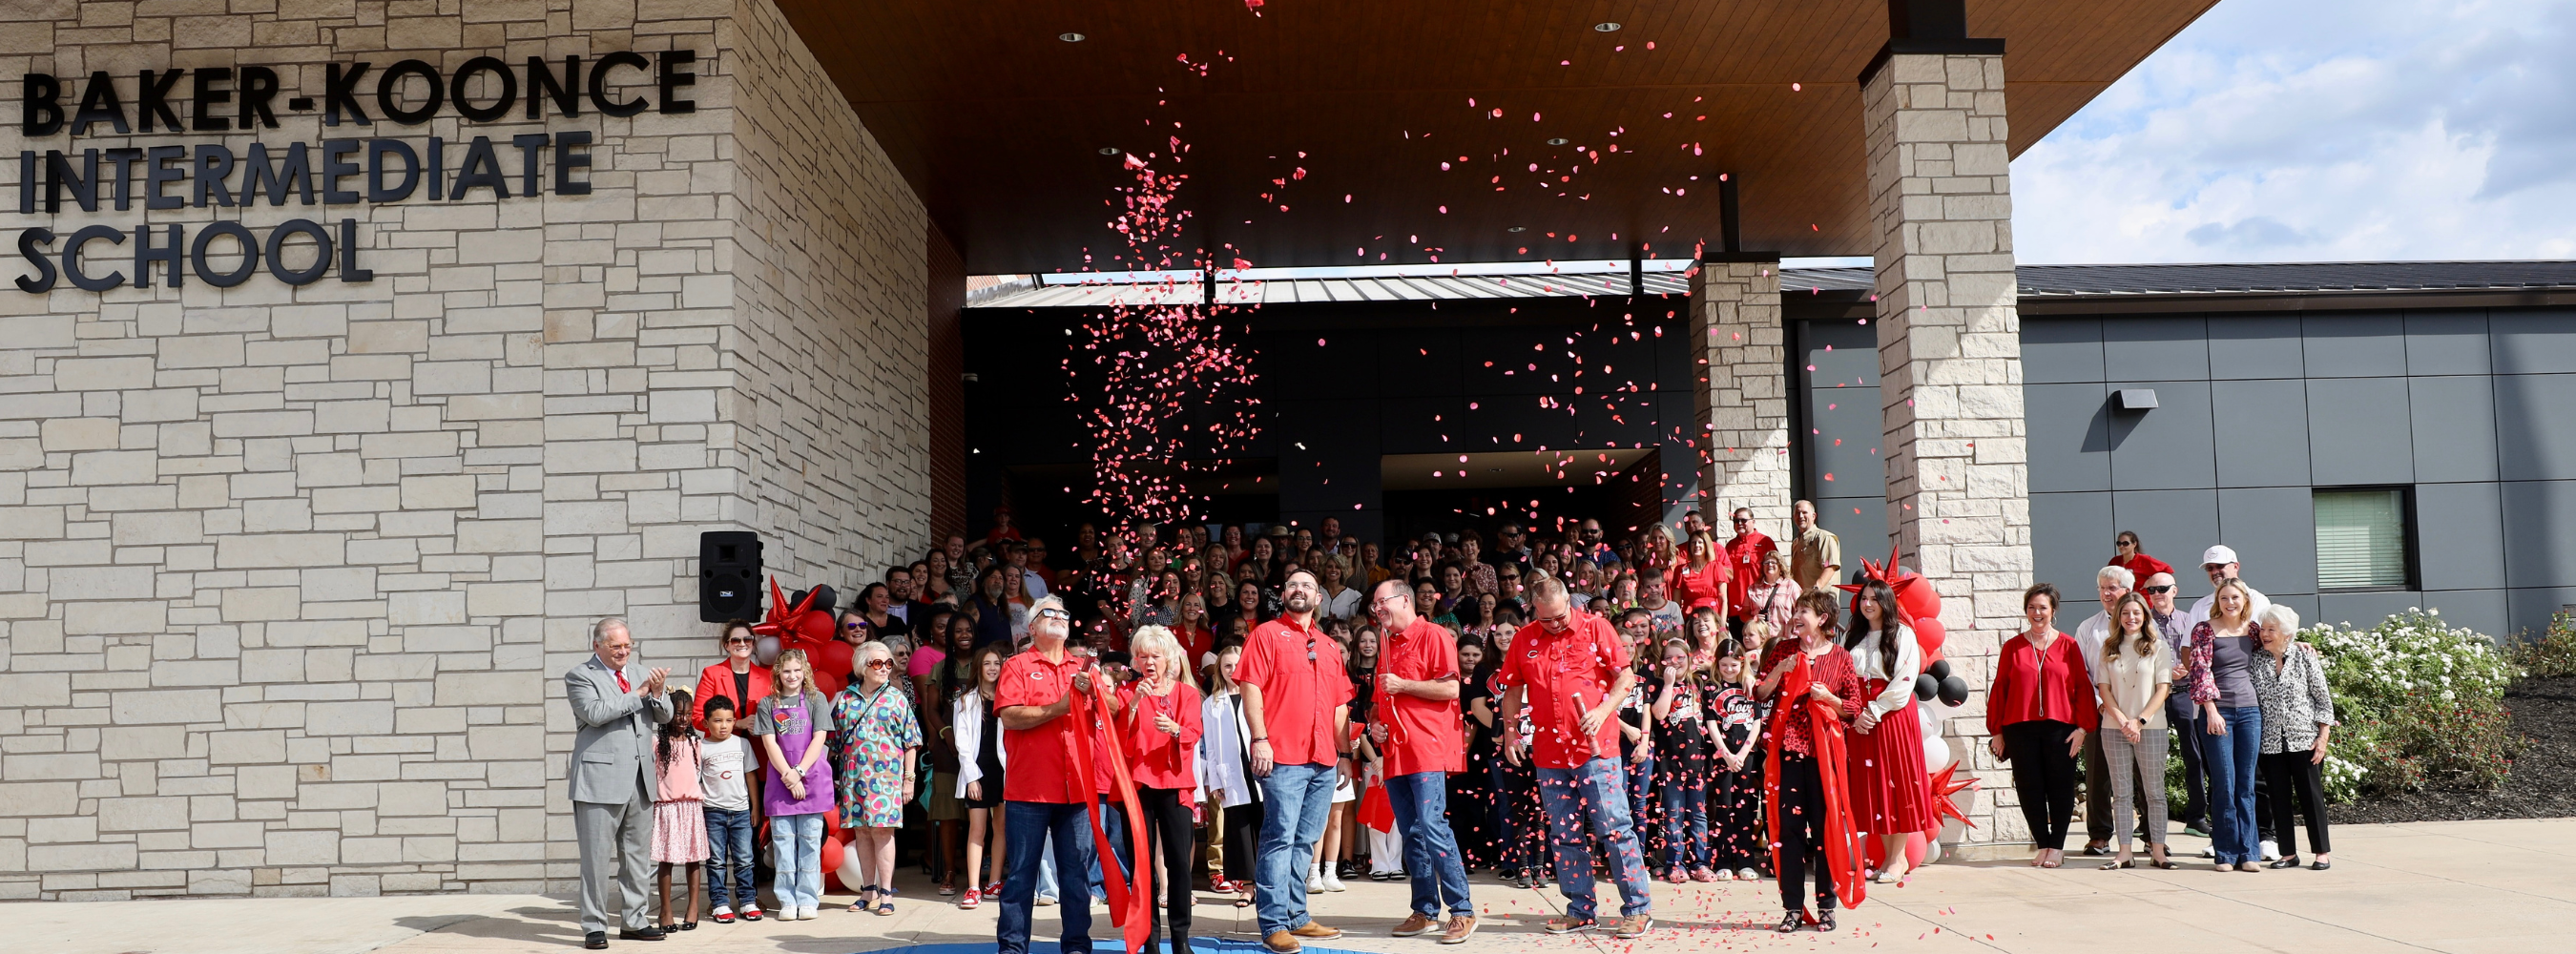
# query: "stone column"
1743,436
1950,363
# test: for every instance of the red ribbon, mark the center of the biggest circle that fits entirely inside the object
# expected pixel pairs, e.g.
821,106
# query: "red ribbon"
1131,909
1843,854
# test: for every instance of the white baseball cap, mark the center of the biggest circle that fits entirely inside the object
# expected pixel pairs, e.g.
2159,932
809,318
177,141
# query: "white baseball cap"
2219,555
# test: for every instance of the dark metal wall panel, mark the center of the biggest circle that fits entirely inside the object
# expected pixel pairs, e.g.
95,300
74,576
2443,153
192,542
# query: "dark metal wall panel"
2262,432
2454,430
2255,346
2362,609
2539,547
2354,345
2457,545
1419,362
2173,526
2070,436
2535,437
2070,536
2447,342
2164,348
2171,446
2056,350
1861,522
2533,341
2485,611
2528,610
2274,533
2358,430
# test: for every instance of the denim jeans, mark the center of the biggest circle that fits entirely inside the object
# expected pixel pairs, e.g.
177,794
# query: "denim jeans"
1597,793
1431,861
2189,737
729,859
796,847
1034,828
1686,821
1642,803
1295,801
2230,761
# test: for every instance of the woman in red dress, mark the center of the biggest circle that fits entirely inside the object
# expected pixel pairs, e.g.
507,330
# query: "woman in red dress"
1891,794
1699,577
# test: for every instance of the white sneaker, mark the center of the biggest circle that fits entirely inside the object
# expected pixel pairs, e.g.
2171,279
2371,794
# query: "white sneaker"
1723,875
722,910
805,914
2271,851
1333,882
1747,874
1314,879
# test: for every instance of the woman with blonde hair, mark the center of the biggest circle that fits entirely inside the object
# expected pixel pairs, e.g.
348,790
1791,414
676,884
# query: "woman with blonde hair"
1774,595
793,726
1157,716
2221,674
2135,676
879,741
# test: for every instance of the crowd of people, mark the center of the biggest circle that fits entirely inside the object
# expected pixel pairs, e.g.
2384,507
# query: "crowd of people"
1294,708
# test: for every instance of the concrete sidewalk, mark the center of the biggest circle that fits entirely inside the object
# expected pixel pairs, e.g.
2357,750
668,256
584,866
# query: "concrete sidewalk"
2496,887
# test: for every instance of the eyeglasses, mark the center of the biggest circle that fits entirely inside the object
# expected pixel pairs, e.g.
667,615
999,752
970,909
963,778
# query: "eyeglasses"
880,664
2167,588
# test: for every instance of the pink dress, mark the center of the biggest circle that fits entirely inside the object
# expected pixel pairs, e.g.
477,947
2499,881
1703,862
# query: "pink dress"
679,806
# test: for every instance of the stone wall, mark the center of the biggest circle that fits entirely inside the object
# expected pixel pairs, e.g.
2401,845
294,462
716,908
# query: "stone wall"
1742,361
1949,346
288,574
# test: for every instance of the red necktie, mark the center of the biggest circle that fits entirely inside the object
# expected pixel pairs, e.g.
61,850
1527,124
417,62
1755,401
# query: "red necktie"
621,683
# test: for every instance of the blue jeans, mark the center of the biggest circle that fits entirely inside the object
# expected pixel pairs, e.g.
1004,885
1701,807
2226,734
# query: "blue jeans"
1642,801
796,848
1295,801
2230,761
1686,822
1033,828
1431,861
2189,738
729,859
1596,793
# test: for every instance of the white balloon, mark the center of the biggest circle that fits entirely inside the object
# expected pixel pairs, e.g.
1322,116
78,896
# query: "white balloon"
849,870
767,650
1936,750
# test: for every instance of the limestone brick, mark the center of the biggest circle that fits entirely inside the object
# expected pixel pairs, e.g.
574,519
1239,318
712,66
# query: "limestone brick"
1742,360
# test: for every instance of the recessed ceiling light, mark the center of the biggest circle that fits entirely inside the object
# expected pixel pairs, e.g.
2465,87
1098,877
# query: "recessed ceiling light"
1108,150
1077,38
1517,228
1606,27
1558,141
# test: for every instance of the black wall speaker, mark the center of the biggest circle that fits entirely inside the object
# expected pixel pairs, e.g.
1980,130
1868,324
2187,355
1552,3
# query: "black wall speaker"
728,576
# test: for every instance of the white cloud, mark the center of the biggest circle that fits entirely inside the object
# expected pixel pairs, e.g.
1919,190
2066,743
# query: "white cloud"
2321,130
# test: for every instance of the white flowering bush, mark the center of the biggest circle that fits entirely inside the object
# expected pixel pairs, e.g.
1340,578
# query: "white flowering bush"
2421,702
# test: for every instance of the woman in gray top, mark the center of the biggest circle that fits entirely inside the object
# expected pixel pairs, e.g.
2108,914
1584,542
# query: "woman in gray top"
2222,684
2298,716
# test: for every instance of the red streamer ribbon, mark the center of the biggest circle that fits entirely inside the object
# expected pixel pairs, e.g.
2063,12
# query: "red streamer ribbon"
1843,854
1129,908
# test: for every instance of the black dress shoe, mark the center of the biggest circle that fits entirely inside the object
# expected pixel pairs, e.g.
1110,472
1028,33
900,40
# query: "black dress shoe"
640,934
2287,861
595,940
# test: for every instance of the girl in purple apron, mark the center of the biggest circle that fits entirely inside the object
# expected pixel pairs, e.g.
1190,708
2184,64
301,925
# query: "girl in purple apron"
793,724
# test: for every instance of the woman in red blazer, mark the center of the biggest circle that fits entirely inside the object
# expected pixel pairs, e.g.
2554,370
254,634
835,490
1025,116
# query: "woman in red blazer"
2037,711
737,677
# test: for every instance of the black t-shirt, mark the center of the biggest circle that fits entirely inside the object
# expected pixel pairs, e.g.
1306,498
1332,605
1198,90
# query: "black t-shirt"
1480,740
1635,710
1681,744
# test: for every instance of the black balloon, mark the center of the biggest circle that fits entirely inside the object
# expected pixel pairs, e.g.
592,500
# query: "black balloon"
1954,691
1925,687
1940,669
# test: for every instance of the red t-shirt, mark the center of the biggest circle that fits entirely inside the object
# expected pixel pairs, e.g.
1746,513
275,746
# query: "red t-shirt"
1300,674
1745,554
1042,768
1566,674
2141,567
2033,685
1155,758
1693,589
1421,735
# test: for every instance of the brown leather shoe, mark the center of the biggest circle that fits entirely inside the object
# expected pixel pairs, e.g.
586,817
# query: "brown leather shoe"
1415,925
1315,931
1281,942
1633,927
1459,929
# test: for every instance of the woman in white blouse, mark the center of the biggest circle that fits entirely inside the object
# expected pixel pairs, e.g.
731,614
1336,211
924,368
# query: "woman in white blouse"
1225,773
2135,675
1891,794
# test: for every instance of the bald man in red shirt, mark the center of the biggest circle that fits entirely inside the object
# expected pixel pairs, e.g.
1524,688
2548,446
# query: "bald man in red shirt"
1415,723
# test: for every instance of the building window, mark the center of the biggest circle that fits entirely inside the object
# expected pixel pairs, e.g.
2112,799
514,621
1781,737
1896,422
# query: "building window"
2362,539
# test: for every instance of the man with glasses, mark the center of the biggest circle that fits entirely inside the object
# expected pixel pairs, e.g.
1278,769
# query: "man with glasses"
1815,554
1744,555
2110,583
2175,625
1417,731
1045,803
1511,545
1594,549
1572,670
2219,562
1296,706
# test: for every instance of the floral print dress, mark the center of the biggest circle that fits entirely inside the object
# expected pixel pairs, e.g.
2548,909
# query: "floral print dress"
871,730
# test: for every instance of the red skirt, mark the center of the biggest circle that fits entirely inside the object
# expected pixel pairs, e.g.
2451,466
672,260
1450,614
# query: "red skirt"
1890,791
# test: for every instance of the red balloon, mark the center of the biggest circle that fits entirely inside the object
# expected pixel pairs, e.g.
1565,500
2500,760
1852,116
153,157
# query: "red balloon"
832,818
1929,634
831,860
1915,596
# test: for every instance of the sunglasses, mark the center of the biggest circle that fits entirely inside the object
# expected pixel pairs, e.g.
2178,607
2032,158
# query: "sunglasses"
880,664
2167,588
739,641
2124,543
1052,613
853,626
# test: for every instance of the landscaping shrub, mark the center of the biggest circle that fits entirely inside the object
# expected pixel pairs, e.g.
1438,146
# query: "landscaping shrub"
2421,705
2552,654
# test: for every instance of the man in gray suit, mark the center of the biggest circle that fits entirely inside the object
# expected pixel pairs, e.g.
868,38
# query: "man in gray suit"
613,783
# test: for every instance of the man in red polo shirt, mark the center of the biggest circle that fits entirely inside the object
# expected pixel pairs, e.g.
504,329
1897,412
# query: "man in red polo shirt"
1744,553
1415,724
1572,669
1046,801
1296,705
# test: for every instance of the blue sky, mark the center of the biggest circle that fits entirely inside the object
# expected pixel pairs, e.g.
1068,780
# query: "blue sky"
2321,130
